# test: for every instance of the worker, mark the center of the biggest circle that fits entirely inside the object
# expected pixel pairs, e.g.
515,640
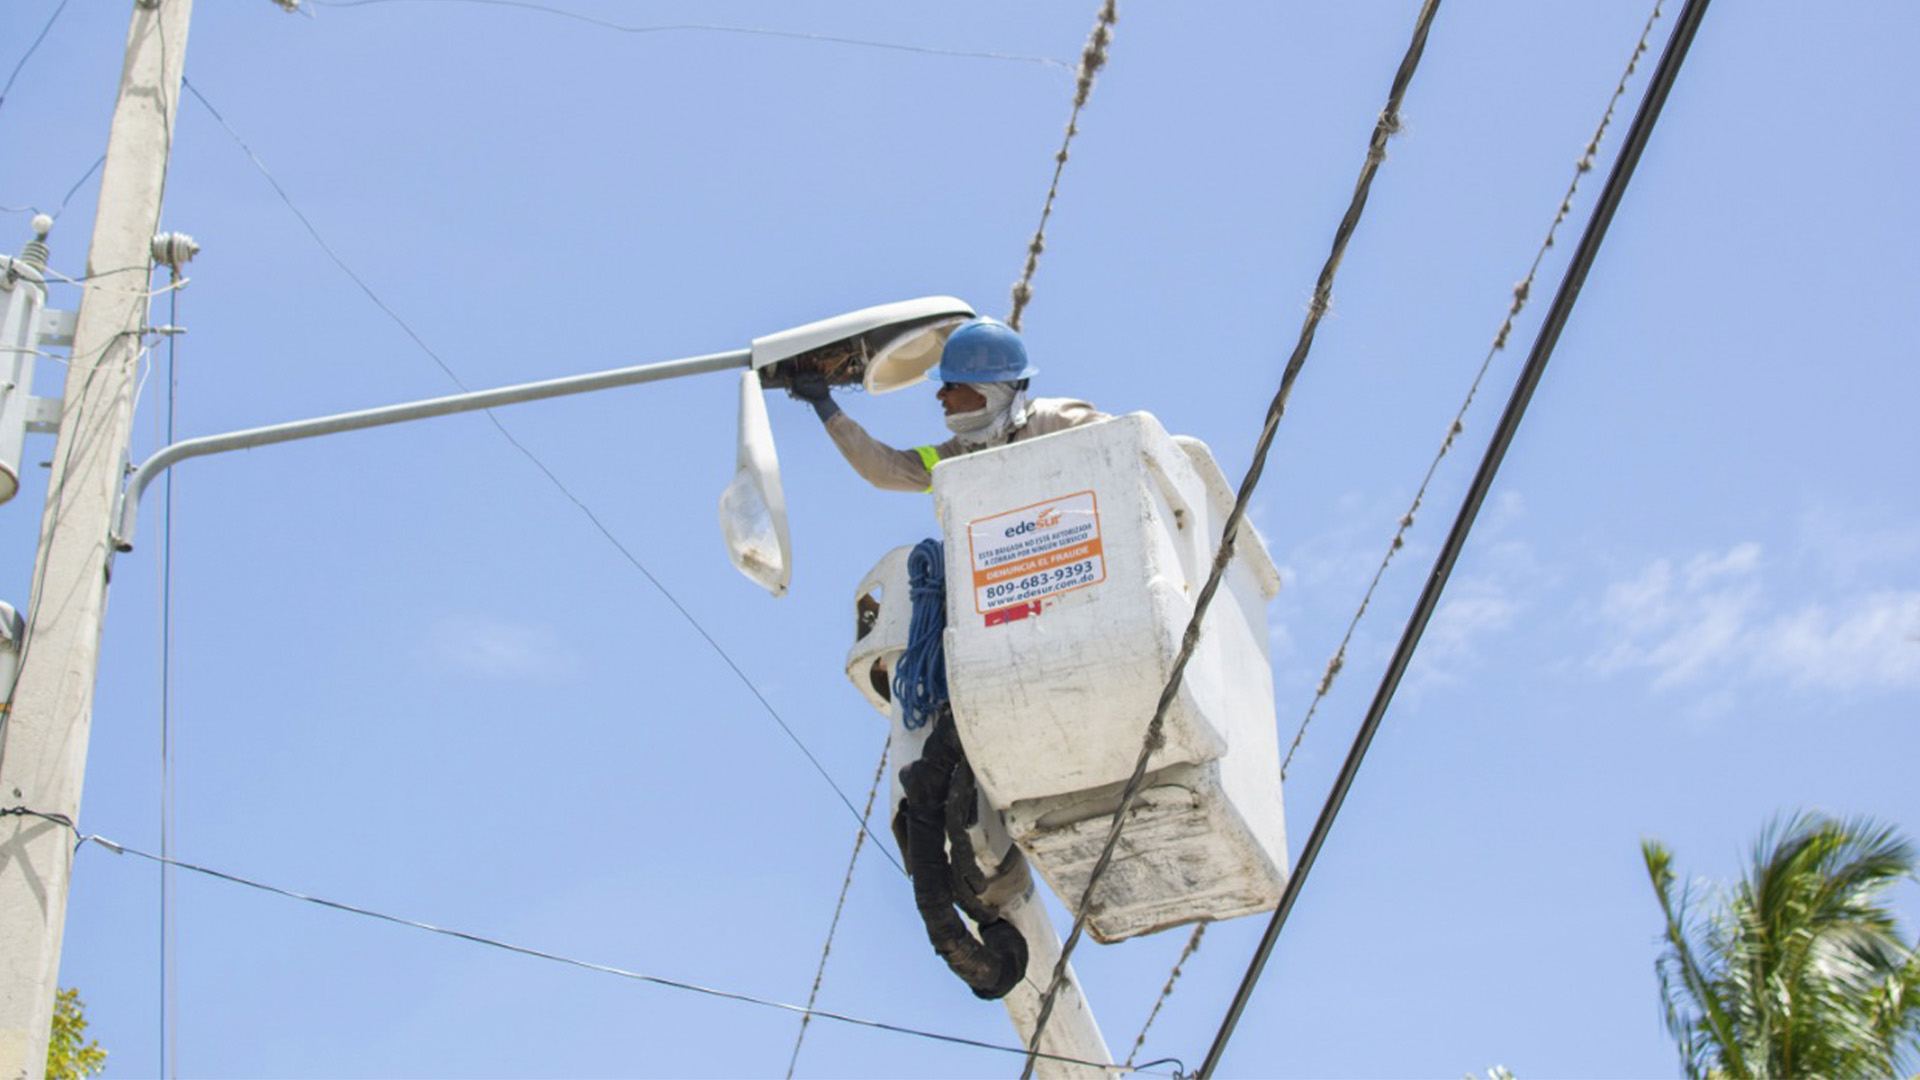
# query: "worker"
983,376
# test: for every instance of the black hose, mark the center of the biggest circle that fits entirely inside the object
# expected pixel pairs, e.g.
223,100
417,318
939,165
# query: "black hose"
995,962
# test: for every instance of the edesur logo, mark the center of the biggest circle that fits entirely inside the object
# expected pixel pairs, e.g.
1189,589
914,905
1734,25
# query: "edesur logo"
1046,519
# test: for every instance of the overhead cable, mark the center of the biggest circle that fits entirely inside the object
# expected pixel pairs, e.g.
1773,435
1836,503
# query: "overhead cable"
1549,335
82,839
1520,294
1173,978
801,35
77,184
1092,58
1384,128
846,885
551,476
169,1011
31,49
66,199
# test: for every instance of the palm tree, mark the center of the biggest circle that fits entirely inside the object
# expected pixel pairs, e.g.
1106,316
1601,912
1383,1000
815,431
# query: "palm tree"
1799,970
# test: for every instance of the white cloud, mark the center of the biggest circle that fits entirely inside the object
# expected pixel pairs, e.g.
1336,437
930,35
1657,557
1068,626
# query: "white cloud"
1347,548
497,648
1327,572
1506,512
1742,561
1714,621
1851,544
1472,610
1873,642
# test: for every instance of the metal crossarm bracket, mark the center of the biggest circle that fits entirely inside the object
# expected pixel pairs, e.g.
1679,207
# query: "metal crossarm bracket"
43,415
56,327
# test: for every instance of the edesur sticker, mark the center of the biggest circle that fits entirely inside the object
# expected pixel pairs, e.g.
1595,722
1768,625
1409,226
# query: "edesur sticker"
1036,551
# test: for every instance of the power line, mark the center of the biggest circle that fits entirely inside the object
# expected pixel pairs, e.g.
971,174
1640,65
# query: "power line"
1092,59
71,191
1173,978
31,49
169,1039
1570,284
77,185
1384,128
314,232
62,279
1520,294
82,839
846,885
801,35
551,476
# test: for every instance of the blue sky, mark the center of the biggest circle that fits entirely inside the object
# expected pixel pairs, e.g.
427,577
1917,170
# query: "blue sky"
408,673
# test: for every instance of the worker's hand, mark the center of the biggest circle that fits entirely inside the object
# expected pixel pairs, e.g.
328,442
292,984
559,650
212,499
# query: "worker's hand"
811,387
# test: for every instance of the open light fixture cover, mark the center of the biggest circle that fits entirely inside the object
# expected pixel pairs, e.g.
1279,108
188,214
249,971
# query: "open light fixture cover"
753,509
906,357
879,348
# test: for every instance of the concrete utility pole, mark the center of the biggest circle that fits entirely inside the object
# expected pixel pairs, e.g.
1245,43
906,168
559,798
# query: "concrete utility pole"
44,752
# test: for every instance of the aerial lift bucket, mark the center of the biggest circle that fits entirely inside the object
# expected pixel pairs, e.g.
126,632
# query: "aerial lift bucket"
1072,565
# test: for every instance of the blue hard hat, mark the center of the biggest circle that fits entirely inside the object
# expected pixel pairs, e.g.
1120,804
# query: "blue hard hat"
985,350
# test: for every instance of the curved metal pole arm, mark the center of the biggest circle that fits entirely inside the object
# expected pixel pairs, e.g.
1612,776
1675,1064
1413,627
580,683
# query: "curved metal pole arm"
164,459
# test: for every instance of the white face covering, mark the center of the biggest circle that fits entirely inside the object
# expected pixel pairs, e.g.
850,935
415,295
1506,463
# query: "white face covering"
990,425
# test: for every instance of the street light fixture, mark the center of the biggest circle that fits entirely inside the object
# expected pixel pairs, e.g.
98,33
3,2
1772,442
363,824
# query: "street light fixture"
882,348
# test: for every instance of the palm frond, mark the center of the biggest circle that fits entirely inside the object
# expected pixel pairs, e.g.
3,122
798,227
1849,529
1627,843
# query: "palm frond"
1682,978
1799,969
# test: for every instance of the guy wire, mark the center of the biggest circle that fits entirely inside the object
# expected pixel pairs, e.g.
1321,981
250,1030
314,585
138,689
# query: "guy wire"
169,1018
551,476
1384,128
1092,59
82,839
1520,294
1549,335
820,973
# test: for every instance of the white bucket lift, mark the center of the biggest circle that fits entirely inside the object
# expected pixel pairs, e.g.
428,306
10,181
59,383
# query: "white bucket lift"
1072,564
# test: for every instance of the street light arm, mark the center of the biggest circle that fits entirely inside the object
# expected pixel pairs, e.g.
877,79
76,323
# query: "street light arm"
169,456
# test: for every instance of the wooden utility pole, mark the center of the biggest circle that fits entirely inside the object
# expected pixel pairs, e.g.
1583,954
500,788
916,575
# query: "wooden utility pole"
44,750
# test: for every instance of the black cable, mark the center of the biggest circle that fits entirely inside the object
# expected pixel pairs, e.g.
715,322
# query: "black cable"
1385,126
1521,292
1092,59
551,476
61,820
547,9
846,886
31,49
476,939
77,184
167,1041
1543,345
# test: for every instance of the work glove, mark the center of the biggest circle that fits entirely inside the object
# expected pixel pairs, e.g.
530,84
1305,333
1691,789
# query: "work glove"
812,388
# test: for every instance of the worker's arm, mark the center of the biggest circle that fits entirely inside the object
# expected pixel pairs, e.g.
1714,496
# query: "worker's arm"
879,464
876,462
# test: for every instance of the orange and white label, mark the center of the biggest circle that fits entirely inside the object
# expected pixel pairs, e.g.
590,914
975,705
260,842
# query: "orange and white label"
1036,551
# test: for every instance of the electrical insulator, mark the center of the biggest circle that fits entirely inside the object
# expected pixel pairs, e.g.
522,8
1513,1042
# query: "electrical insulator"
174,249
23,296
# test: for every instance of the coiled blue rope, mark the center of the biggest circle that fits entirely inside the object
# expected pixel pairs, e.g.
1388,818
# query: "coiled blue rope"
920,681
